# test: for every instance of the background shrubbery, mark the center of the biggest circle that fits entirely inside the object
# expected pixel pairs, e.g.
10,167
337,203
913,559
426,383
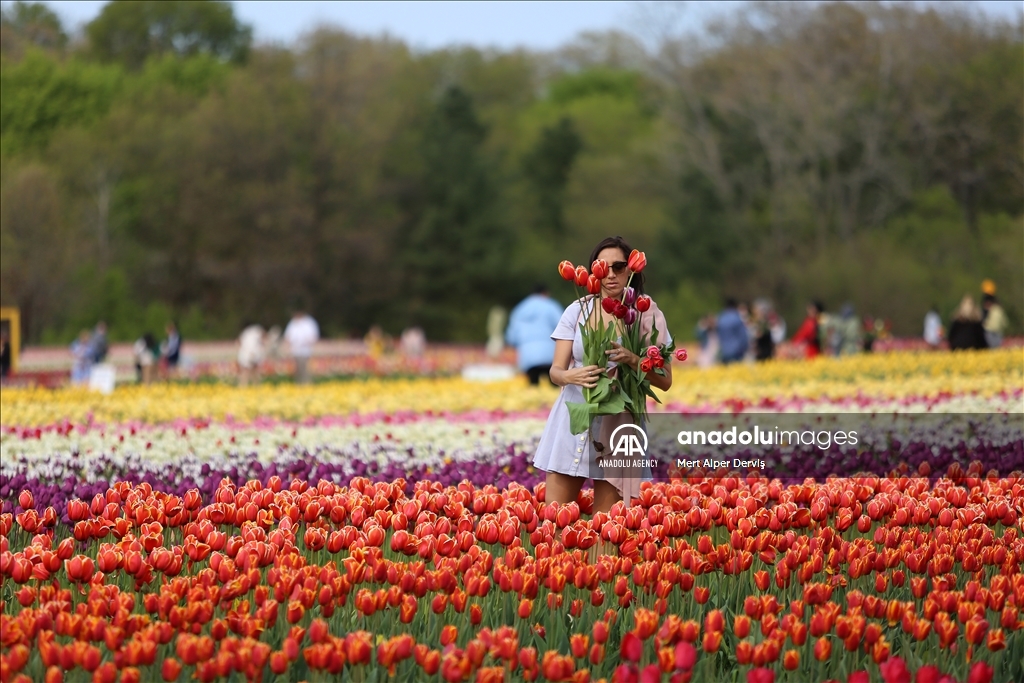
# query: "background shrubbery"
162,165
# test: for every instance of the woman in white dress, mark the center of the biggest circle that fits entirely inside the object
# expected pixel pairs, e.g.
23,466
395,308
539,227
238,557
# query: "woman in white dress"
570,459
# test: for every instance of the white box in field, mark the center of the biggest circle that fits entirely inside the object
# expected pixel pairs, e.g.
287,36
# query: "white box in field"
489,372
102,378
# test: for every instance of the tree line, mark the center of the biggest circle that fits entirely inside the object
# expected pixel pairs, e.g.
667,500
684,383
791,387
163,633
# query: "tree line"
161,165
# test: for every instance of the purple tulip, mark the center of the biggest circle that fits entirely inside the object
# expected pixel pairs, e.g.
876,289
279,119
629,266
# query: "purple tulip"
629,296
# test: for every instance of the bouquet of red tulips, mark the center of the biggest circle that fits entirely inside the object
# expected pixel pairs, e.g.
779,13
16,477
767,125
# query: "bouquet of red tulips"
629,388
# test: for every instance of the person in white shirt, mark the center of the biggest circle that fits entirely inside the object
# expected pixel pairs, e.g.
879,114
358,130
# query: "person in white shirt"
301,334
933,327
250,354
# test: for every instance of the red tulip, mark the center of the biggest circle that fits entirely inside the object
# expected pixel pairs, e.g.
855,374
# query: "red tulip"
582,276
791,660
859,677
609,304
567,271
928,674
599,268
681,356
600,631
643,303
761,675
525,608
637,261
593,285
646,365
686,655
26,500
822,649
981,672
632,648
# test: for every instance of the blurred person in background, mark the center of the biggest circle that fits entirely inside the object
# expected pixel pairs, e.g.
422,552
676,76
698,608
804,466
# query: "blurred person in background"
170,348
777,325
993,321
81,352
530,326
848,331
764,343
375,342
5,354
733,339
496,319
146,352
302,333
933,327
707,337
100,346
809,333
413,341
251,351
966,331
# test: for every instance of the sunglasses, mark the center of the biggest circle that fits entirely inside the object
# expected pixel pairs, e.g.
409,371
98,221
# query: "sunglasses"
619,267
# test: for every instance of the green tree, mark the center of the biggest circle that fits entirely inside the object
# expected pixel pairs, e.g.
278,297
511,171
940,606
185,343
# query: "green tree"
130,32
41,94
31,23
457,248
547,167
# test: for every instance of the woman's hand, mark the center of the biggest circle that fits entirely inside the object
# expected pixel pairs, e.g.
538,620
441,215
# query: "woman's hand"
585,376
623,356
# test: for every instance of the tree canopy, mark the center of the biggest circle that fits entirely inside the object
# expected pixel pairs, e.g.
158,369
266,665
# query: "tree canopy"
162,166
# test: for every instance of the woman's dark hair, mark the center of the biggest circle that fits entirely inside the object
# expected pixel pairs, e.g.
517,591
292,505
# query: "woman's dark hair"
617,242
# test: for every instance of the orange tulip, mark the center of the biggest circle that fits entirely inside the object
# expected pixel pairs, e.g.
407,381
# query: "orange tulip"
822,649
791,660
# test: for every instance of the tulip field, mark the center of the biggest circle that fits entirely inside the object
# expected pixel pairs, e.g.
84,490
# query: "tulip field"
395,530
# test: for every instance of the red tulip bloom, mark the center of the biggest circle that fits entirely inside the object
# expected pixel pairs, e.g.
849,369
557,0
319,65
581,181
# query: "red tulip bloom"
632,647
928,674
646,365
567,270
599,268
681,356
761,675
686,656
582,276
608,304
593,285
894,670
643,303
637,261
981,672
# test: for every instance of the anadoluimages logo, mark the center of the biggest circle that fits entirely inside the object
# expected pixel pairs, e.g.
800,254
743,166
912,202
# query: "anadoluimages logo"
627,443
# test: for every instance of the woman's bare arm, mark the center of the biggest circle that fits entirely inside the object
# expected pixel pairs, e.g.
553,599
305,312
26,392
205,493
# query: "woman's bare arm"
560,373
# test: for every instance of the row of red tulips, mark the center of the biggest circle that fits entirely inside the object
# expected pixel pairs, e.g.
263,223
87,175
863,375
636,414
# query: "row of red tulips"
726,579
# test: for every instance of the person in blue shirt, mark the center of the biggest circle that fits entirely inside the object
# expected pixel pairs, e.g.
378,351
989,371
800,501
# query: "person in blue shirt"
733,339
529,330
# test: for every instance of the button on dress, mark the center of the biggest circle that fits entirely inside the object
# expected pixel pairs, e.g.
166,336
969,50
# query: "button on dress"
574,454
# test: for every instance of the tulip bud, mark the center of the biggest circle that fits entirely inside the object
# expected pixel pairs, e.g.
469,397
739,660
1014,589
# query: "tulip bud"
629,296
26,500
643,303
593,285
599,268
637,261
567,270
582,276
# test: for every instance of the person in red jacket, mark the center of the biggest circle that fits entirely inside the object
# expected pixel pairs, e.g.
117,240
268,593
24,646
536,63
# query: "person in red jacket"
809,333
